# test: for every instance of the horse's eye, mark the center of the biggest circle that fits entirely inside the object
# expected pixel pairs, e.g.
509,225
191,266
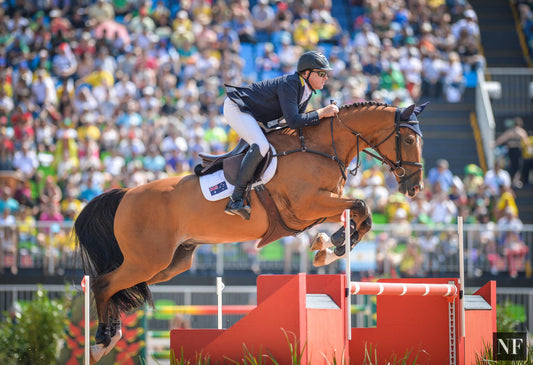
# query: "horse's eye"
410,139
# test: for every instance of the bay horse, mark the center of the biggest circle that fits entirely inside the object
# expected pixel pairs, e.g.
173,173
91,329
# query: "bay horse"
131,238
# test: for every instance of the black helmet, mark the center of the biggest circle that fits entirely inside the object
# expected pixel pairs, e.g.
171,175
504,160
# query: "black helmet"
313,60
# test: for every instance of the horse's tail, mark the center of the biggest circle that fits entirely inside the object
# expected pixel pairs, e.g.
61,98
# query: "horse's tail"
99,249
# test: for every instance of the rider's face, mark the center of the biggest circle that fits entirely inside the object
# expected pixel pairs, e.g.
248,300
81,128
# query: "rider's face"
317,79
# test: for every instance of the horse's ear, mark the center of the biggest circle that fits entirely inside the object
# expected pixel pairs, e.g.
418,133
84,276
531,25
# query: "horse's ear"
407,112
419,109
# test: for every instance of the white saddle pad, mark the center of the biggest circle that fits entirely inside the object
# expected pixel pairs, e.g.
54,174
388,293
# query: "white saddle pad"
215,186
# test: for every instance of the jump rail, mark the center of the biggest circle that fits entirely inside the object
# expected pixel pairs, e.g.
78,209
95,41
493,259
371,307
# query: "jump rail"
400,289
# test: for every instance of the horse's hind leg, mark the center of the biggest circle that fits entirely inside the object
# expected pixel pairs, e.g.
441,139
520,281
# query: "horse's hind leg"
104,287
181,262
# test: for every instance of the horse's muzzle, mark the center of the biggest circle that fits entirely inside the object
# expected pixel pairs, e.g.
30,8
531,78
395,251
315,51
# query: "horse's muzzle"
410,190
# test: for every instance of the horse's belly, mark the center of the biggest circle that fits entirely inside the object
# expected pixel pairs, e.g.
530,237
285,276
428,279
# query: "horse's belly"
172,211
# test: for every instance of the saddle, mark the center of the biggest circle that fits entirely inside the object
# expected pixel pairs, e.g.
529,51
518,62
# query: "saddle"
230,163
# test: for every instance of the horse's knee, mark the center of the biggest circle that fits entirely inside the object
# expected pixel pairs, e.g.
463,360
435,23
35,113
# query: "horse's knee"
360,209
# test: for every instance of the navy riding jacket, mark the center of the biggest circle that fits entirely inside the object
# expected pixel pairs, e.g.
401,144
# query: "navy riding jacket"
271,100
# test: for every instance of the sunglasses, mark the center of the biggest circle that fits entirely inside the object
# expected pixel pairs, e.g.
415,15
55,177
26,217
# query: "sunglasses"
320,73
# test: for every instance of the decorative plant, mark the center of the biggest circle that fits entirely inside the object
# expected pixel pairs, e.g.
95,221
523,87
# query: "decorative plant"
33,333
509,316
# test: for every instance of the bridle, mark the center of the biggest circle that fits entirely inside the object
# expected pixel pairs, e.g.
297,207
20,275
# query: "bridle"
396,167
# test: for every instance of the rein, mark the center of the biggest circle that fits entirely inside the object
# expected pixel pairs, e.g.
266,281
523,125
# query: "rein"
304,148
396,167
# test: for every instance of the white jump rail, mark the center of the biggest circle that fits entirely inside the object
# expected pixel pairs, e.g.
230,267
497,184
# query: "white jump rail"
401,289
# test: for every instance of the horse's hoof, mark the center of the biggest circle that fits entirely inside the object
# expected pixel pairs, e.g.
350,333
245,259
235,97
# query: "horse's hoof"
319,243
97,351
340,251
320,258
114,340
103,335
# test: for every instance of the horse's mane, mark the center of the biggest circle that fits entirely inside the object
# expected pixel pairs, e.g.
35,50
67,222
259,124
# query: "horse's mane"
357,104
361,104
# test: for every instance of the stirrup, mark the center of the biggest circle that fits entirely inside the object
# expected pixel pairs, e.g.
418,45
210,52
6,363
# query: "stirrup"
237,207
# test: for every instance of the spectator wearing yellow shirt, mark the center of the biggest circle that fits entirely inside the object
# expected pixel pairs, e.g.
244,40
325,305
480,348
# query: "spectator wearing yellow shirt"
506,200
305,35
527,160
98,77
396,201
70,205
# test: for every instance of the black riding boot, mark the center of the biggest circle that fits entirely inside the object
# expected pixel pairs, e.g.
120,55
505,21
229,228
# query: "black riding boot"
236,204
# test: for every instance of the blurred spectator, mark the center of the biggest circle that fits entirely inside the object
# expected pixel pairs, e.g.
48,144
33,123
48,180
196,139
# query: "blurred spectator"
509,222
514,137
43,90
305,35
51,193
527,160
263,20
428,243
497,178
433,71
402,229
242,26
468,24
8,240
374,190
412,259
268,64
64,65
100,11
396,201
454,82
505,201
366,38
443,210
441,174
26,161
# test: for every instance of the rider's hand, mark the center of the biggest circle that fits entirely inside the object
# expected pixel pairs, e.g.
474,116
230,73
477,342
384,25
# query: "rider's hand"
328,111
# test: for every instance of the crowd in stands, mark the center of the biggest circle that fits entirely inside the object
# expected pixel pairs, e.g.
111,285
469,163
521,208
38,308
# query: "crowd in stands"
99,94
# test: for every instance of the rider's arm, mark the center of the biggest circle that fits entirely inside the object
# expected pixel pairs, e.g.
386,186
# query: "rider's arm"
288,99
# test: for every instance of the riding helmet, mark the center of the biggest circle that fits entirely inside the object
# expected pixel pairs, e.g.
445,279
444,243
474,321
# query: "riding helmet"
313,60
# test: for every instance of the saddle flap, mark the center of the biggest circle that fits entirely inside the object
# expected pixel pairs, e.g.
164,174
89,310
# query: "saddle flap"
231,166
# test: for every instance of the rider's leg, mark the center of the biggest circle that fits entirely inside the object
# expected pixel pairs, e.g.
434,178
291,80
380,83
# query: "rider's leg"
236,204
246,127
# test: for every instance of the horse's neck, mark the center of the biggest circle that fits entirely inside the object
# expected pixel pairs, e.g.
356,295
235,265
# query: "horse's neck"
369,121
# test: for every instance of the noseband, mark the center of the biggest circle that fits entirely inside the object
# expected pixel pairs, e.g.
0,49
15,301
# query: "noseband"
397,167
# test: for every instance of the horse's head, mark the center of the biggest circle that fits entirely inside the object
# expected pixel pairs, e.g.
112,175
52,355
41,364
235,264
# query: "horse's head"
407,144
400,147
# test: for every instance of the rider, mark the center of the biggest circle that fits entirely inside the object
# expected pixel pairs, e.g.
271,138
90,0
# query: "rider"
274,102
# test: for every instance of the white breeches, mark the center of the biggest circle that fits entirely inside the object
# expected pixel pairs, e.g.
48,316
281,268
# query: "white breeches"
245,126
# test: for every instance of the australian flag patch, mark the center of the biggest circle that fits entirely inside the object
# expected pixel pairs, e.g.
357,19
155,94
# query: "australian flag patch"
218,188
